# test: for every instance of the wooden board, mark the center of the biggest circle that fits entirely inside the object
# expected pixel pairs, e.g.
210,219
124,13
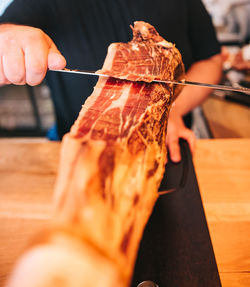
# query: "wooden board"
223,171
27,175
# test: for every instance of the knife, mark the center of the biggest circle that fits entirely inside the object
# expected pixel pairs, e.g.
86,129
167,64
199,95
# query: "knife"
236,88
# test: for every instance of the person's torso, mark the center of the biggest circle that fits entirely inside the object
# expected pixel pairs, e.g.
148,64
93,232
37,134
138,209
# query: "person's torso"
90,26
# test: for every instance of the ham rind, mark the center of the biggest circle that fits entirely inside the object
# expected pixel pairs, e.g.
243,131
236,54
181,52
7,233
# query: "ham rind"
112,162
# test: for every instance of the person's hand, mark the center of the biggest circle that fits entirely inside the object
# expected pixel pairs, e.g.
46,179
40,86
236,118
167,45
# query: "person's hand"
176,129
26,53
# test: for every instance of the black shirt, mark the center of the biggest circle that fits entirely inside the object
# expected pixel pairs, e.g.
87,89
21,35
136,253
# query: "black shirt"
83,30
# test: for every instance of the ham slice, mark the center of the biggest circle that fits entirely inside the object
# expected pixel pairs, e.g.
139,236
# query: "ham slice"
146,58
112,162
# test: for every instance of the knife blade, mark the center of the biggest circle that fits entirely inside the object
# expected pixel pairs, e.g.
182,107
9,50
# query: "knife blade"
236,88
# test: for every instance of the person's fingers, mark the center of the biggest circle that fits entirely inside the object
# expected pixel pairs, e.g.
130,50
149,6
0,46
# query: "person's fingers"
27,53
13,66
41,56
36,62
174,149
56,61
189,136
3,80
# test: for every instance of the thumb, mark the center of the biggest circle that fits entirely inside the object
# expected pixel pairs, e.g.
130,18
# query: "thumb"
56,61
174,149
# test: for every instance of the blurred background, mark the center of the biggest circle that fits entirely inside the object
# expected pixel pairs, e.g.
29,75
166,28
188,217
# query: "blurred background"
28,111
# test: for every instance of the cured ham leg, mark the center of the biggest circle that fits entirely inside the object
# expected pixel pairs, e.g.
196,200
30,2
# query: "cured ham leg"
112,163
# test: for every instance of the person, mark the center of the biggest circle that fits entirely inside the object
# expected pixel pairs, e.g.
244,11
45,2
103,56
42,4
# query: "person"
39,35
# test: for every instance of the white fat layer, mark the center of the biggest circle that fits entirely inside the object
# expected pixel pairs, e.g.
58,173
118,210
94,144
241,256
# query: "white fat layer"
127,122
120,103
144,30
135,47
110,57
165,44
95,95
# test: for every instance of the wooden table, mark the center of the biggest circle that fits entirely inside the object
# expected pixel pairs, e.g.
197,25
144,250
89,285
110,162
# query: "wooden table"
223,171
27,176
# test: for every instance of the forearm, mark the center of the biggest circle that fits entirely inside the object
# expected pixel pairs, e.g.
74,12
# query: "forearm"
207,71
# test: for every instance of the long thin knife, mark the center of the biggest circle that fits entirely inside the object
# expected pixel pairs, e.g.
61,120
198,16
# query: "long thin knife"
182,82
